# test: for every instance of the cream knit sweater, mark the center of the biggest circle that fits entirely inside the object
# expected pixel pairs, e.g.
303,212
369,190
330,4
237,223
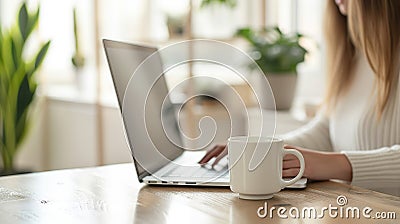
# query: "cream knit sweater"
372,146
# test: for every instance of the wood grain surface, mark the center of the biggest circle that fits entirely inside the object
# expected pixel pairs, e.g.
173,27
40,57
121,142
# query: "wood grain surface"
112,194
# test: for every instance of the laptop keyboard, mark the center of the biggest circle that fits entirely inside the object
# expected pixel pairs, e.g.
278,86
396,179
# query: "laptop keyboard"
195,172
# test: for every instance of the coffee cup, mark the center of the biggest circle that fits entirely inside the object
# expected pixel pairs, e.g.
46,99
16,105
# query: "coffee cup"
255,166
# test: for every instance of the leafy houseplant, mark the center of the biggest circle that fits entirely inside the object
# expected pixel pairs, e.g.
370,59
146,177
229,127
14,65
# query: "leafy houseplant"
274,51
176,25
277,54
17,83
78,60
229,3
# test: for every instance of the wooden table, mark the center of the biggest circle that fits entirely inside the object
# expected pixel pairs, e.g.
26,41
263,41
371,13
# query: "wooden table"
112,194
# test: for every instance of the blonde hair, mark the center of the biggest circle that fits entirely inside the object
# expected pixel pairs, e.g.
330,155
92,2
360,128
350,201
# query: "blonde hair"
371,28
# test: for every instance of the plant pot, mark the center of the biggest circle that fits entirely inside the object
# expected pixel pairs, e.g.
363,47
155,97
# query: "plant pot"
283,87
176,25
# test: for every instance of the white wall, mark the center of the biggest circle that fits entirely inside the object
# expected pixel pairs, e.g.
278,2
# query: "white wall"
63,135
30,154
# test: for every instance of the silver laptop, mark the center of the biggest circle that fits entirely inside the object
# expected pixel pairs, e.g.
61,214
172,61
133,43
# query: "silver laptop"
148,115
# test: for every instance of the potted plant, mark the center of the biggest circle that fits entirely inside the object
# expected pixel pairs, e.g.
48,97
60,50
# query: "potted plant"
78,59
176,24
17,84
229,3
277,54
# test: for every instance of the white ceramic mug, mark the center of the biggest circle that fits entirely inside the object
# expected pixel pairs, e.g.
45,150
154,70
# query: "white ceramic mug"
255,166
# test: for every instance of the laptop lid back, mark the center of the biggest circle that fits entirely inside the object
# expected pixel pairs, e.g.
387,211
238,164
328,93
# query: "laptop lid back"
146,109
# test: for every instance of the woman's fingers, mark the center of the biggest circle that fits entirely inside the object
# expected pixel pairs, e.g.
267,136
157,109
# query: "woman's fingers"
291,164
290,147
292,172
289,157
220,156
215,151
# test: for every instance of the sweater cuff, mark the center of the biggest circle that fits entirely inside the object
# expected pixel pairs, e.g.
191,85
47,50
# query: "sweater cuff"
374,167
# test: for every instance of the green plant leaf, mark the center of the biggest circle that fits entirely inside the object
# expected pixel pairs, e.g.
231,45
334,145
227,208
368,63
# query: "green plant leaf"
25,97
42,53
33,21
21,128
247,34
3,76
8,62
1,46
17,83
27,21
229,3
278,30
23,21
278,52
16,55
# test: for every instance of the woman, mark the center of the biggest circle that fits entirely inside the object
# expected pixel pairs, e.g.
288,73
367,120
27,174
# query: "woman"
356,137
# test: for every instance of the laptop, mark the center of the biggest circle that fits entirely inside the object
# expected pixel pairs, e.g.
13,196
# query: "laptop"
151,124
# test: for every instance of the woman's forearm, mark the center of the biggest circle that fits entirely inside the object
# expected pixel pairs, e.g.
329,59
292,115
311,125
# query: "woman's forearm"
341,166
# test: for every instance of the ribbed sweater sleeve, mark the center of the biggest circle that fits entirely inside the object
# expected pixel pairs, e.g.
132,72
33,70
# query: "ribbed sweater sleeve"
378,168
314,135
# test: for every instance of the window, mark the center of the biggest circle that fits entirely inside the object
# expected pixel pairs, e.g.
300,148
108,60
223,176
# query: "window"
151,20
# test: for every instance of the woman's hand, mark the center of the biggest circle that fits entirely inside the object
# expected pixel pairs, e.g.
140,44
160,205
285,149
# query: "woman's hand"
318,165
218,151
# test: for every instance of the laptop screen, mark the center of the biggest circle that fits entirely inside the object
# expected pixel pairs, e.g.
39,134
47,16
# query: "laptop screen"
149,117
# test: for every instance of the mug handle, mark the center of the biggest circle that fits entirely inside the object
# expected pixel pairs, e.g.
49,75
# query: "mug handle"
296,153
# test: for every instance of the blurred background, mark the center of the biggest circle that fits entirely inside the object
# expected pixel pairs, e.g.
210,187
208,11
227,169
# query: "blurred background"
75,120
